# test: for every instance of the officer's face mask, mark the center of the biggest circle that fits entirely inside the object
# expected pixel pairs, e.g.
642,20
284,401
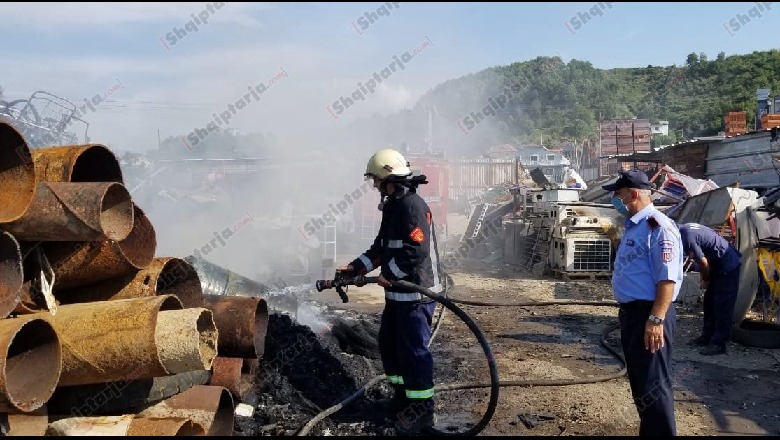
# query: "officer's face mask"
619,205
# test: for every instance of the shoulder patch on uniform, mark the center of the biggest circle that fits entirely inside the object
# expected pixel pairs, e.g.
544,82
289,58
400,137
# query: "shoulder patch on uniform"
667,250
653,223
417,235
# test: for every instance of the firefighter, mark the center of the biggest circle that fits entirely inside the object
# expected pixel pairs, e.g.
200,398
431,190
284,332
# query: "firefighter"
404,249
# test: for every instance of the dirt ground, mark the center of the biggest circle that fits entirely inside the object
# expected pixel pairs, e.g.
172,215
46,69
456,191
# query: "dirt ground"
731,394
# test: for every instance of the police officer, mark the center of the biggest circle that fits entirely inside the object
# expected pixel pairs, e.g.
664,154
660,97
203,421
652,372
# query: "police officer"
646,279
718,263
405,248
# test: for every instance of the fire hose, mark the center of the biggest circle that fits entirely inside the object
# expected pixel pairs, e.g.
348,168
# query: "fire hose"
340,281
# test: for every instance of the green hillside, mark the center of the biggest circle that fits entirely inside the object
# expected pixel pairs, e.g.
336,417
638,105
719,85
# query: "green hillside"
563,101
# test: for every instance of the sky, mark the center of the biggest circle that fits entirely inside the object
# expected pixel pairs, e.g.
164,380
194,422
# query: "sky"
166,69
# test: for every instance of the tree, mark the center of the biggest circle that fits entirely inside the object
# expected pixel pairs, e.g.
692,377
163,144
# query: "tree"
568,100
662,139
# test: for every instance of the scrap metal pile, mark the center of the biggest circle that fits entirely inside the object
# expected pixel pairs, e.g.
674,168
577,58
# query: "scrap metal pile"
98,336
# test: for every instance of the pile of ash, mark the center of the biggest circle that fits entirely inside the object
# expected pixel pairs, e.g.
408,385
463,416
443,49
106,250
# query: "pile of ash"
303,373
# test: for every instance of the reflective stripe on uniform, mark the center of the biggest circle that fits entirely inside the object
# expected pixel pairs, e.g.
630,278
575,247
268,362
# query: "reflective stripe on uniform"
366,262
395,244
393,266
419,394
433,252
403,296
396,380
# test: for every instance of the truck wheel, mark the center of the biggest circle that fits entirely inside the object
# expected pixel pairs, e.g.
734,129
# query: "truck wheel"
756,334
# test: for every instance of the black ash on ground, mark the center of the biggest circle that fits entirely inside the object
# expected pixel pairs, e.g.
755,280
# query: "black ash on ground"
304,373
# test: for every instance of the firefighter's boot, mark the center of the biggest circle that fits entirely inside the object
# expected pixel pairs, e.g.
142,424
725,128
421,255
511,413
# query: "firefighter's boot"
417,418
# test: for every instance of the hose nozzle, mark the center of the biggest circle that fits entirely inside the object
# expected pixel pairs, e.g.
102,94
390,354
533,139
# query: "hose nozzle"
344,279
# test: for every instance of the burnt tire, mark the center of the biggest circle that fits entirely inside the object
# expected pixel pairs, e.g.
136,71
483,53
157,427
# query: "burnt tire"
756,334
360,338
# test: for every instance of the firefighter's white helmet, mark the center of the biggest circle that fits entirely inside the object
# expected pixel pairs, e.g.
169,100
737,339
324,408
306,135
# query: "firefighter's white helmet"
385,163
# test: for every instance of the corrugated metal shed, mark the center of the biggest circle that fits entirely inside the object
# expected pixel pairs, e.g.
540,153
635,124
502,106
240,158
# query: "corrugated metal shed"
688,160
590,173
747,160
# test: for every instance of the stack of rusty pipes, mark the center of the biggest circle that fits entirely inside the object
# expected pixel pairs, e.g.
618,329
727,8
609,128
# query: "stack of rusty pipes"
96,334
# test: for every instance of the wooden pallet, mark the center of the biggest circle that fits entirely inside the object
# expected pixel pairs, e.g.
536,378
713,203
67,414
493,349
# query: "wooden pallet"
582,276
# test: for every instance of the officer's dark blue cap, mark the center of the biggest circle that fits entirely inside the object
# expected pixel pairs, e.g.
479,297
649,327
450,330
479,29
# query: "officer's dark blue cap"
630,179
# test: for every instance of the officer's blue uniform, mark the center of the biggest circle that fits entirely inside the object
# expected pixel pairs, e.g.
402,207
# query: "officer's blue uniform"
649,252
721,295
405,249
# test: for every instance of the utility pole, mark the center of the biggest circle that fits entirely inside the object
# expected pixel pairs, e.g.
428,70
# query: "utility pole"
633,145
617,149
430,130
600,152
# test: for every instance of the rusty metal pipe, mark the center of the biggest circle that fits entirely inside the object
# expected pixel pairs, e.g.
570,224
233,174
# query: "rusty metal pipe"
11,274
31,360
226,372
29,300
19,424
251,366
124,426
76,212
211,407
91,426
17,174
186,339
165,427
122,396
77,163
79,264
249,373
217,280
242,323
111,340
164,276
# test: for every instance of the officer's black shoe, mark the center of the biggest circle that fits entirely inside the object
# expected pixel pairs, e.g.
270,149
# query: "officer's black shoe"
713,349
701,341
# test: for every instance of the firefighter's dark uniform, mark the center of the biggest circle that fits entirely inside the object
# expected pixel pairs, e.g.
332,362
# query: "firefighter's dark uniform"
405,248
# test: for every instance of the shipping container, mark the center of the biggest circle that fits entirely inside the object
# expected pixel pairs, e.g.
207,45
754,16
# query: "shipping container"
738,117
770,120
471,177
624,136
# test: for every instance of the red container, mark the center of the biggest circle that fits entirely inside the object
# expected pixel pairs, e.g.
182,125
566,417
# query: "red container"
435,193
